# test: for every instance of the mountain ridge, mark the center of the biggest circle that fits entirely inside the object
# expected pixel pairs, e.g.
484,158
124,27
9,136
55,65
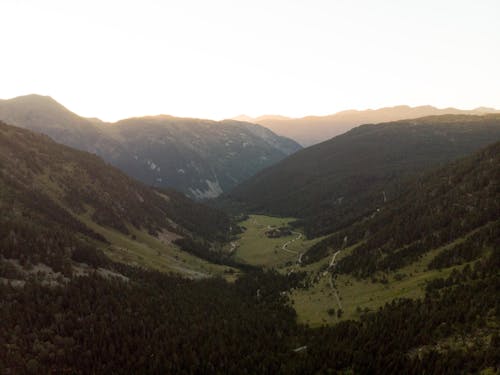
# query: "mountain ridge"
386,239
115,318
202,158
334,182
57,202
313,129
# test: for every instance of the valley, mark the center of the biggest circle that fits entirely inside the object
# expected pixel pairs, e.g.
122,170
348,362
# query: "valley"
317,303
169,272
335,183
250,188
255,248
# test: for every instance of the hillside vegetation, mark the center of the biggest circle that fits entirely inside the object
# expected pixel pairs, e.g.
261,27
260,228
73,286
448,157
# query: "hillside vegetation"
434,210
110,317
335,183
443,220
156,323
201,158
60,204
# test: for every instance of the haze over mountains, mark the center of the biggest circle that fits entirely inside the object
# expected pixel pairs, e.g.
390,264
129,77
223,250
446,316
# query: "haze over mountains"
201,158
314,129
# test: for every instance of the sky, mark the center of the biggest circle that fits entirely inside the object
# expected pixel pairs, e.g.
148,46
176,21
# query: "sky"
221,58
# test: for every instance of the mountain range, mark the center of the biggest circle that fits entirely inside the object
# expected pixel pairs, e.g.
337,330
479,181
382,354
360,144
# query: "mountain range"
333,183
314,129
201,158
90,260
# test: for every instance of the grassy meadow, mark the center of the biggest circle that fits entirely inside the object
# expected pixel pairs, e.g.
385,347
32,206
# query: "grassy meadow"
319,304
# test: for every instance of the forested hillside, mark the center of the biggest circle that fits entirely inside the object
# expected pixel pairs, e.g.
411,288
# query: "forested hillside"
57,202
109,317
337,182
154,323
458,201
201,158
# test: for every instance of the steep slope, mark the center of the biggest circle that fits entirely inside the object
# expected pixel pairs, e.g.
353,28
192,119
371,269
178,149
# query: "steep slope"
57,202
434,210
314,129
439,232
334,183
127,319
43,114
201,158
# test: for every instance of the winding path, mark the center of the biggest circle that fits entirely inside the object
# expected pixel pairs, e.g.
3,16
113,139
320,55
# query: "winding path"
299,260
299,254
335,292
332,262
331,266
285,245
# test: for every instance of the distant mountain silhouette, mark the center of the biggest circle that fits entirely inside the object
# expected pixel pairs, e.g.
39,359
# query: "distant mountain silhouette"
314,129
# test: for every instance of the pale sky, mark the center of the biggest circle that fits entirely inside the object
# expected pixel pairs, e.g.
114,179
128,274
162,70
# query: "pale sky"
221,58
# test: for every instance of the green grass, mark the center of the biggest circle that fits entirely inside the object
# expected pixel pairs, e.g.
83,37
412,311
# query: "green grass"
255,248
355,296
149,252
312,305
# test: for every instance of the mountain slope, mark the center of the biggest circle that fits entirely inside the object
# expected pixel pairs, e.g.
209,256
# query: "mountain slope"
201,158
57,201
143,321
332,184
433,210
314,129
43,114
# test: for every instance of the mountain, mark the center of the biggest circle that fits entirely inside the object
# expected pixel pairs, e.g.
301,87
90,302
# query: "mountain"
438,208
243,118
334,183
67,308
43,114
59,204
201,158
314,129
